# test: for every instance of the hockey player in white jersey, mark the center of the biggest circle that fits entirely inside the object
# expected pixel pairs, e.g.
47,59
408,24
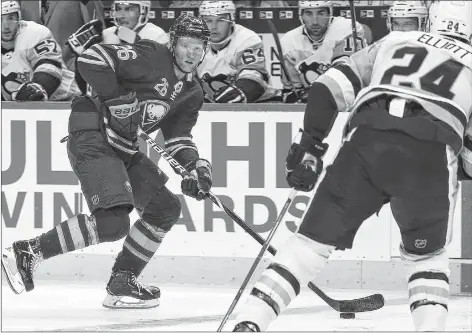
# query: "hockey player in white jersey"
32,65
407,16
131,24
309,49
411,119
234,70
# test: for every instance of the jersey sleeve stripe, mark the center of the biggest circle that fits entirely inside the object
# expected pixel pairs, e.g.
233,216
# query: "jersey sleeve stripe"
51,62
93,62
105,55
467,155
343,85
352,76
176,139
175,151
335,90
92,57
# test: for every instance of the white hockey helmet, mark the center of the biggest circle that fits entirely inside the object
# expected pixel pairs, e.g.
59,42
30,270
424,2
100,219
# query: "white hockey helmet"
144,10
408,9
451,18
213,8
9,7
310,4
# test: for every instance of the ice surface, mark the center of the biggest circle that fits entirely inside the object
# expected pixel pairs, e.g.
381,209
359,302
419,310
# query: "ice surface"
77,307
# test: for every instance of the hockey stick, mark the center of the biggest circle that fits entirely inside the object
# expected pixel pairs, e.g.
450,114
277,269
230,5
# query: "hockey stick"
283,65
353,24
369,303
249,275
180,170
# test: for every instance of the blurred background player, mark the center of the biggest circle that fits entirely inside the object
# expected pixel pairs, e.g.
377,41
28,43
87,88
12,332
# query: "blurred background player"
401,146
407,16
63,18
32,64
234,70
131,24
114,175
309,49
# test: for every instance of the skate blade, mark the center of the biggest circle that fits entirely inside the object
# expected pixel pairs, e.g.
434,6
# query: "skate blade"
13,279
117,302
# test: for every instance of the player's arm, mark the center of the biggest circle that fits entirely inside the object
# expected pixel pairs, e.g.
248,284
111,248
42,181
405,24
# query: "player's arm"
346,46
332,92
336,90
291,57
87,35
177,131
45,58
104,66
179,144
251,76
465,159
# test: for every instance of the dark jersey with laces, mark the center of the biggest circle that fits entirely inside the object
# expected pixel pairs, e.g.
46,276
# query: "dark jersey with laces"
165,102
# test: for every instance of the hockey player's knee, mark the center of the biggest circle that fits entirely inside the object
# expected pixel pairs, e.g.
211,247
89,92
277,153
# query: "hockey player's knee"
304,257
112,223
162,215
428,287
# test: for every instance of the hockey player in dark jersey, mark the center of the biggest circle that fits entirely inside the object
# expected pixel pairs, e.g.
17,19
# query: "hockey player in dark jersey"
147,85
410,130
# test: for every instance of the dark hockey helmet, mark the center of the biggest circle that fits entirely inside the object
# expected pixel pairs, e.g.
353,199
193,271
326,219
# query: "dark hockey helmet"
189,26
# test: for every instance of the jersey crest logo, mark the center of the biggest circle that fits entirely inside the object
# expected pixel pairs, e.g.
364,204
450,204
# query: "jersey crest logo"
161,88
177,89
154,111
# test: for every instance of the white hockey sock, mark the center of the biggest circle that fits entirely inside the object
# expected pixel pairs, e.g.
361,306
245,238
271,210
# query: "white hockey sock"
296,264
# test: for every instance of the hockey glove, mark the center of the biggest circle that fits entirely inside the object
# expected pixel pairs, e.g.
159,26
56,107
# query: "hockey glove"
30,91
303,164
229,94
199,184
123,106
87,35
300,95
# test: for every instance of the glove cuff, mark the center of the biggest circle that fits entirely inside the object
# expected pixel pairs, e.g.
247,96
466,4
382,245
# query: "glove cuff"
203,163
313,145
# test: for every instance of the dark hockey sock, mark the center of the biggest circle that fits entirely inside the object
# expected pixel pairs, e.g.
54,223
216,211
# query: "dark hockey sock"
73,234
140,245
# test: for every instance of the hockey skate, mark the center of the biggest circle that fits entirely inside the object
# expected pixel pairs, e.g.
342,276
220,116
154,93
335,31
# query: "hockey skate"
124,285
19,263
246,326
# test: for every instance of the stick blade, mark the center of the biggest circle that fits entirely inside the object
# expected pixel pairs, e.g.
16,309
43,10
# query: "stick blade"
364,304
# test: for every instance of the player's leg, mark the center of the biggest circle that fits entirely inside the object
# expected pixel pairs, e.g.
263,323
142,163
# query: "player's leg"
103,178
345,197
423,202
159,210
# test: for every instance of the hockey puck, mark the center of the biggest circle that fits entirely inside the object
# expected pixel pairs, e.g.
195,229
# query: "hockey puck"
347,315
